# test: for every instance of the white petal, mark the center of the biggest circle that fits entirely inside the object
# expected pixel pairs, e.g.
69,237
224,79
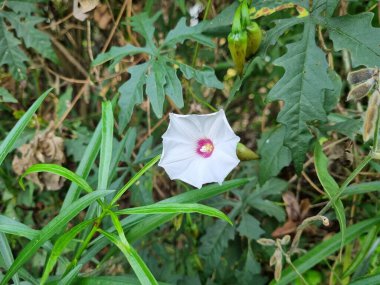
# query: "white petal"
182,128
177,151
179,157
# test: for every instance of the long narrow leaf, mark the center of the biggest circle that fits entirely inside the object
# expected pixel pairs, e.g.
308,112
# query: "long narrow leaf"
138,265
51,229
60,245
11,226
135,178
6,253
176,208
11,138
110,280
138,226
59,170
106,145
85,166
330,186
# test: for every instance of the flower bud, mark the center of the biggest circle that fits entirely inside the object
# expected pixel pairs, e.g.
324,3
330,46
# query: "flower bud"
245,154
254,39
237,44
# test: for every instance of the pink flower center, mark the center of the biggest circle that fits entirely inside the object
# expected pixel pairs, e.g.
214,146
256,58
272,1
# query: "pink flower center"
205,147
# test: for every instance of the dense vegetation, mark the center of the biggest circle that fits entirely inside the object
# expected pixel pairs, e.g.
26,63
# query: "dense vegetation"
85,95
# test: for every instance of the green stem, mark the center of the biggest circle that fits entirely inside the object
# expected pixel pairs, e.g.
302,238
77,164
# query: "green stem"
134,179
197,45
337,195
85,243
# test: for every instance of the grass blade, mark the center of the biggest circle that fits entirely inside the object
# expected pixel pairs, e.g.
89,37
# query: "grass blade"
85,165
16,131
60,245
137,226
374,279
176,208
106,145
59,170
135,178
330,186
138,265
51,229
7,256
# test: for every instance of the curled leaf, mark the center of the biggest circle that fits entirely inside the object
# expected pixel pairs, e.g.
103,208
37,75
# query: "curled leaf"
359,76
361,90
266,242
371,116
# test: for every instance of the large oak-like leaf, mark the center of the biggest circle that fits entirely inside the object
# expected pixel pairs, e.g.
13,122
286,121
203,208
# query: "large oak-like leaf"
302,89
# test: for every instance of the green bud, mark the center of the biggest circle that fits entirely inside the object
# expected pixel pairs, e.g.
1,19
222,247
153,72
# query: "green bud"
244,153
237,44
254,38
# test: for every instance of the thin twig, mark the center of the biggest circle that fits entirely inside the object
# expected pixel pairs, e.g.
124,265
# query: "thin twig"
108,41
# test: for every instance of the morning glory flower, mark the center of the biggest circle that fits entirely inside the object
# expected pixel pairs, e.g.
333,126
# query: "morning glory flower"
199,149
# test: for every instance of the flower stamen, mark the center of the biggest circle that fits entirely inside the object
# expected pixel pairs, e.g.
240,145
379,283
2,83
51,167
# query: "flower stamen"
205,148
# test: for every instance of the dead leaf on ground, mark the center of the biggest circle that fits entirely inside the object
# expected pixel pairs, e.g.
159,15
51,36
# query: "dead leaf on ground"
296,213
81,7
102,16
45,147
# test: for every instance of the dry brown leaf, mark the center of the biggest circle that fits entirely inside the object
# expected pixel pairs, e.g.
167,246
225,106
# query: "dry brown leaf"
296,213
102,16
81,7
44,148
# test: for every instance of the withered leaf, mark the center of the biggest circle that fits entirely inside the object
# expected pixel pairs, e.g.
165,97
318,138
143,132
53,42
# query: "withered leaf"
44,148
361,75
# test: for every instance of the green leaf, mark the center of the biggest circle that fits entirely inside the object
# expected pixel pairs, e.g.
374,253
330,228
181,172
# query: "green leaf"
173,87
155,87
301,88
32,37
134,179
51,229
10,53
206,76
330,186
268,207
9,141
110,280
272,36
182,32
7,256
214,242
85,165
362,188
106,145
324,250
250,227
70,277
59,170
7,97
276,155
138,265
59,246
332,96
175,208
138,226
131,93
142,24
13,227
356,34
22,6
372,279
118,53
251,271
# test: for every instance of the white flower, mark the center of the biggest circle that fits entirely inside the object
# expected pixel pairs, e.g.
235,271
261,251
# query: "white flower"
199,149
